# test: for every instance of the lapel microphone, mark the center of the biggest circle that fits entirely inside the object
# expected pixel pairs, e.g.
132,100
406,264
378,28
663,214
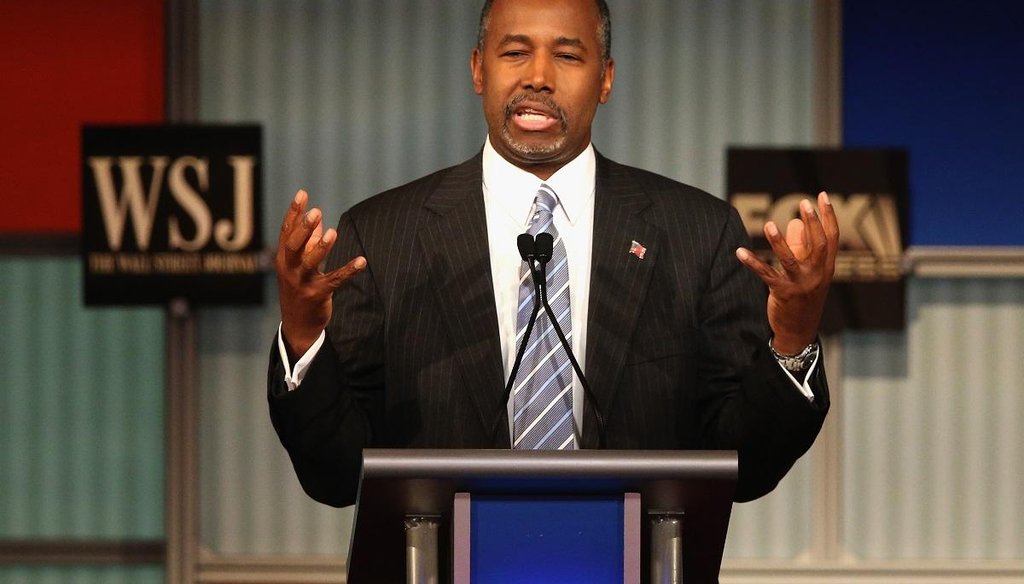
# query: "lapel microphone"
536,253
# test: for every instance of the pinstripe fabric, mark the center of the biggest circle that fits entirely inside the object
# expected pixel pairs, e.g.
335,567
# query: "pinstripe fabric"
543,393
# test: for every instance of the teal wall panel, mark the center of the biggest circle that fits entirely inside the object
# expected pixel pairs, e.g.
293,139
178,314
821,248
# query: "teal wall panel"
81,575
932,463
81,409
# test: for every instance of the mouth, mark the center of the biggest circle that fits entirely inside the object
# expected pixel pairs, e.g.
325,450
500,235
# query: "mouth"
533,116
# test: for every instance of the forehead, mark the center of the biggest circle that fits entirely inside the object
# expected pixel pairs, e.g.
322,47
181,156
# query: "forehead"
540,19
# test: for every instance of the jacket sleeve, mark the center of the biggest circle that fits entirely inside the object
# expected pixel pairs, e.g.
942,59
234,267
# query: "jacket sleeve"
325,423
747,402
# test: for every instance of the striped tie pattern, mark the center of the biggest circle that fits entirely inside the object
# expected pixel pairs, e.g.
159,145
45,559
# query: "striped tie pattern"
542,396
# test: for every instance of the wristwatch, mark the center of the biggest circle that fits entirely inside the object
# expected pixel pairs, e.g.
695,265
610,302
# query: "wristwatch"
796,363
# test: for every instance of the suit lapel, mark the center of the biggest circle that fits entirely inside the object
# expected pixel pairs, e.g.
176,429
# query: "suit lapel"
618,284
454,242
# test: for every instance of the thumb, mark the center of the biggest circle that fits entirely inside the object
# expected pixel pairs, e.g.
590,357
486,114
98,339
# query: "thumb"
796,238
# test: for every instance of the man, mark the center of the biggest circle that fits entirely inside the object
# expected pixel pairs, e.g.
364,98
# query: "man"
409,342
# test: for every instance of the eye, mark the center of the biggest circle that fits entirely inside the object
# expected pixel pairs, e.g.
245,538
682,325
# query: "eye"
515,54
568,57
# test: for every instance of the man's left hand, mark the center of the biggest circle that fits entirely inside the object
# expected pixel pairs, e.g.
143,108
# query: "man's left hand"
798,289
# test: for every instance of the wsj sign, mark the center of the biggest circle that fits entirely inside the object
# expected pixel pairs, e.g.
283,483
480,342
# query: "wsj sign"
868,190
172,212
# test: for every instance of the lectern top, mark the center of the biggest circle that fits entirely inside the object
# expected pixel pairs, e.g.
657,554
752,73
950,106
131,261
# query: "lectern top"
648,465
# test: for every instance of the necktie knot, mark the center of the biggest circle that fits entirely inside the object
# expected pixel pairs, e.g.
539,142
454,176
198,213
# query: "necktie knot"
544,206
546,198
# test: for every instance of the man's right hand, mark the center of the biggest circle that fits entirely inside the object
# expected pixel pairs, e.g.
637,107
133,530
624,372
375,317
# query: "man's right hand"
304,291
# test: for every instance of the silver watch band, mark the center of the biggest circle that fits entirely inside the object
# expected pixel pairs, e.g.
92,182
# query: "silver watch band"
798,362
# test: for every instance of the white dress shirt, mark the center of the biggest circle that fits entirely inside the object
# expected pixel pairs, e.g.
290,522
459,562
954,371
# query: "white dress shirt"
509,193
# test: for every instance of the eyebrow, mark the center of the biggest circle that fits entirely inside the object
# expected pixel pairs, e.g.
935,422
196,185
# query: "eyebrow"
570,42
514,38
525,39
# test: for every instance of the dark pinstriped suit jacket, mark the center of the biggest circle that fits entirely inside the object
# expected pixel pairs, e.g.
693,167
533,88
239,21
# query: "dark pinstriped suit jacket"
676,349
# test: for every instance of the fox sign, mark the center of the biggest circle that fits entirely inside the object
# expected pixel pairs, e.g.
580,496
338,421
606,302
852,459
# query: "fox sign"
869,192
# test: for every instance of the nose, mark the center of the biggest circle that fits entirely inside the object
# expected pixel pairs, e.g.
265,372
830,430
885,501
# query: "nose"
539,74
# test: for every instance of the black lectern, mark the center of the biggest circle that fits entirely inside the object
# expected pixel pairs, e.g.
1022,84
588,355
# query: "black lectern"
426,516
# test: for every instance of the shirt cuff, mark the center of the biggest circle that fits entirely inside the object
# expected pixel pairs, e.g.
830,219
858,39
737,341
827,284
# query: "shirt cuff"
803,386
293,376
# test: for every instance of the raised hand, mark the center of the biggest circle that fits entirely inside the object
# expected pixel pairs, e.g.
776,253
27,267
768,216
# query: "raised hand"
797,291
303,290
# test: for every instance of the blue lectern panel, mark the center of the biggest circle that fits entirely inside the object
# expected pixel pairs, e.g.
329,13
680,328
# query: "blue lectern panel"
547,540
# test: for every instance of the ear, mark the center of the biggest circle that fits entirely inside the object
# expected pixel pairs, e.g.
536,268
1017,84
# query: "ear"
476,59
607,79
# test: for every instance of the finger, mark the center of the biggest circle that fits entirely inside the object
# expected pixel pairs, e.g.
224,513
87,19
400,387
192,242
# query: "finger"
337,278
317,249
767,274
829,220
787,260
830,223
315,238
295,242
813,231
295,211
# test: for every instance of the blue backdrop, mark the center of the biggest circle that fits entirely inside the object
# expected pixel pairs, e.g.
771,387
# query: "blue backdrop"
944,79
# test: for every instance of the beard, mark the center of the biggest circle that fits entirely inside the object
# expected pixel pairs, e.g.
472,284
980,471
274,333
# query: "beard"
534,150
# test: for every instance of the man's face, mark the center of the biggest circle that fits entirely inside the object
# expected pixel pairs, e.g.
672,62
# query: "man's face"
541,77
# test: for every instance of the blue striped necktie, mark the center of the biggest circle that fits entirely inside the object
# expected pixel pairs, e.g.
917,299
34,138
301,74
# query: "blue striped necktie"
542,396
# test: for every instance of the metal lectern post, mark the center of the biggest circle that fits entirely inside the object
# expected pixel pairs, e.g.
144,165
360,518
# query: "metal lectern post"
421,550
666,549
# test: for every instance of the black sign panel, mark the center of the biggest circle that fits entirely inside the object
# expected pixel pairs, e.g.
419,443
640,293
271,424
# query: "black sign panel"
869,192
172,212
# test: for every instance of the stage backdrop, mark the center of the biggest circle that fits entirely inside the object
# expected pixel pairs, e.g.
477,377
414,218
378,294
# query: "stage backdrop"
363,95
946,83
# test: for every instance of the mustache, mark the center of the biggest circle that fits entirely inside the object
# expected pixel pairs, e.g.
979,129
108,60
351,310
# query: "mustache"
541,98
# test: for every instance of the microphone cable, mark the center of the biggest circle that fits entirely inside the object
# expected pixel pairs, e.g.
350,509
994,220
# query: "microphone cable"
527,251
544,250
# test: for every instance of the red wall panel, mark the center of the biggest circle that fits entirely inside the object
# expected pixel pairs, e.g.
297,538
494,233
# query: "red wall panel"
62,64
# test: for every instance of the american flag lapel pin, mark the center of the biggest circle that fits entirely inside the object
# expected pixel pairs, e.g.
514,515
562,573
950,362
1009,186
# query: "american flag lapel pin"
637,249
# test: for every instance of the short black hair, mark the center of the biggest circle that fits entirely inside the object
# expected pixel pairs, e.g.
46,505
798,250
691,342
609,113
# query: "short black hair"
604,29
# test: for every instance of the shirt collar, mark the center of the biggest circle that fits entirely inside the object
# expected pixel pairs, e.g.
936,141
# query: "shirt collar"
514,189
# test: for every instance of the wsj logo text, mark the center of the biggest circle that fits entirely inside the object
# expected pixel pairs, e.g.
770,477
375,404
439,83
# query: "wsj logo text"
870,242
180,225
187,179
